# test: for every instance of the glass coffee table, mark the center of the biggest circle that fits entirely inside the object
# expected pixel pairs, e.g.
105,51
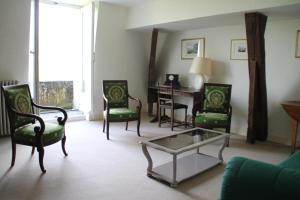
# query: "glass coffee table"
187,166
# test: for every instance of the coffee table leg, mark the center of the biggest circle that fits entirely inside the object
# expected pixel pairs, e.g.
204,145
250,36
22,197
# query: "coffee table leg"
147,155
226,140
174,183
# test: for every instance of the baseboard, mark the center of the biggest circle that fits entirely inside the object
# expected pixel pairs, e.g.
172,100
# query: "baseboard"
271,138
239,131
94,117
279,140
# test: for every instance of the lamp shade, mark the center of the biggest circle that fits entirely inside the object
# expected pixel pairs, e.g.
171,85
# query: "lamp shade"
201,66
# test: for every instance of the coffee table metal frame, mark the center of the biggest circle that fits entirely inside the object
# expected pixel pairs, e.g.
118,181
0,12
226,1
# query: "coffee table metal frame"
192,164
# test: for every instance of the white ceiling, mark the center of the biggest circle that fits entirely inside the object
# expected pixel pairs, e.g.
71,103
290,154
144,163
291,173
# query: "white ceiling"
127,3
277,13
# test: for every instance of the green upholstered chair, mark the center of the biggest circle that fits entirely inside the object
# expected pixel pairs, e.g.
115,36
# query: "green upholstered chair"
28,128
214,109
116,105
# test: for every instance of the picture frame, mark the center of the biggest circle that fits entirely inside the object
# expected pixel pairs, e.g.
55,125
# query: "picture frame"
238,49
189,48
297,50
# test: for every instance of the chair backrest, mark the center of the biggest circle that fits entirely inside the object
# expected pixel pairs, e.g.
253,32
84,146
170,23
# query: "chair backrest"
116,91
216,97
165,94
18,98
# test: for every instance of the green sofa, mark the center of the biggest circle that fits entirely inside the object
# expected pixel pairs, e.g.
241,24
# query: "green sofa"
246,179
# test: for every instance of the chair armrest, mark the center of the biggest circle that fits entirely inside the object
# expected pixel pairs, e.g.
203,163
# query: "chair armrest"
60,120
105,99
139,107
38,129
250,179
230,111
105,104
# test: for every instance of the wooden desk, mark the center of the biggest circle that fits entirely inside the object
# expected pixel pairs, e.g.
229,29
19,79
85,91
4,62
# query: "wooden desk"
182,91
293,110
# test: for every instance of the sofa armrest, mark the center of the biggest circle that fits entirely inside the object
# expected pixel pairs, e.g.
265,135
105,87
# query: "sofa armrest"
250,179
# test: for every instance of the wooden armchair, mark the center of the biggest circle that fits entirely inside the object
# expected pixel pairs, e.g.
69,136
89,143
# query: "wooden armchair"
214,109
116,105
28,128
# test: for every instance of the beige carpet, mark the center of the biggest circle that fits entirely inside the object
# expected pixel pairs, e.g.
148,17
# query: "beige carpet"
115,169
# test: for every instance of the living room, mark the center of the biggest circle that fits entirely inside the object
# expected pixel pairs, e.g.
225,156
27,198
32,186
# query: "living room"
122,49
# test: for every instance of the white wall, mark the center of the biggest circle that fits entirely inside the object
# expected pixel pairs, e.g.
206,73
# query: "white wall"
120,54
164,11
283,73
282,70
14,39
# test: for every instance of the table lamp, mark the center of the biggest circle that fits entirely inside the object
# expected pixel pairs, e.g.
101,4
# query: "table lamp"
202,68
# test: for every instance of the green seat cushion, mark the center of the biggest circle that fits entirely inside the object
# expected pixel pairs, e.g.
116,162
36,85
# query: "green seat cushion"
217,98
212,119
293,162
53,132
121,113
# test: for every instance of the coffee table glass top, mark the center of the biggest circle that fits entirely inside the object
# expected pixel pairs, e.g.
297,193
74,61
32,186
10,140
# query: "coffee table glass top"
185,139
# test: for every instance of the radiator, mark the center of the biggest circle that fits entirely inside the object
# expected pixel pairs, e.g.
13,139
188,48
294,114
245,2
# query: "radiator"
4,122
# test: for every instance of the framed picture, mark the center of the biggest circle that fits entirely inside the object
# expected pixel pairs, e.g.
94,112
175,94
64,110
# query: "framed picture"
238,50
190,48
297,51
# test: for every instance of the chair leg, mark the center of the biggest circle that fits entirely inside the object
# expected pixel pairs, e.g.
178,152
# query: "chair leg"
227,145
103,125
63,142
185,119
32,150
172,119
107,130
13,158
228,131
126,126
159,117
41,157
138,127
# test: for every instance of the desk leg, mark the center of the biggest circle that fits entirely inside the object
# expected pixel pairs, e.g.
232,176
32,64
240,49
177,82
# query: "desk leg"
155,118
294,135
196,103
150,109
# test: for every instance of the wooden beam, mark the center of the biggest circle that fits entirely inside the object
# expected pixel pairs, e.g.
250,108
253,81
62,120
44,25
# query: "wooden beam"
258,109
151,98
151,72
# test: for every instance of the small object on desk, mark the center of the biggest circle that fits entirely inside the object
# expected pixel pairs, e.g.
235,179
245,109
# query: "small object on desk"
172,79
293,110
